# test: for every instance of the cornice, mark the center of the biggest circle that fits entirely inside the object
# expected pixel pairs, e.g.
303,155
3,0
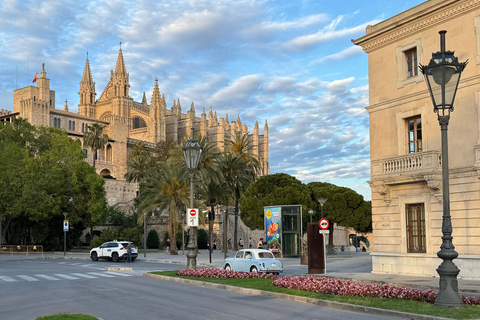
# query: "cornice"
471,81
414,22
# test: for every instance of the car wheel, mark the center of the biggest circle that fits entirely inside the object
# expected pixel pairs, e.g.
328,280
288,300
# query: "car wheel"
228,268
115,257
254,269
94,256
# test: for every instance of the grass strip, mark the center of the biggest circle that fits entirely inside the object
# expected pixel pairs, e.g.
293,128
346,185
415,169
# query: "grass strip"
68,317
402,305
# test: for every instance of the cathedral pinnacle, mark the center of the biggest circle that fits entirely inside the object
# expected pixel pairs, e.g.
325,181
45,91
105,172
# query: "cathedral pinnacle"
87,74
120,69
65,108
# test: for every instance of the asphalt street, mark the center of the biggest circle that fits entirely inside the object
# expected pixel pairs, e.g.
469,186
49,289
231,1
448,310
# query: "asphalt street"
34,287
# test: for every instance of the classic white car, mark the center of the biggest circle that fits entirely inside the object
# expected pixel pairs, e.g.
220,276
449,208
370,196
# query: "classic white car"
254,260
113,250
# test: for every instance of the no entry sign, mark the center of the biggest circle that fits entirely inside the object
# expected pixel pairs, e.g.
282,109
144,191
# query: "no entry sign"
323,224
192,217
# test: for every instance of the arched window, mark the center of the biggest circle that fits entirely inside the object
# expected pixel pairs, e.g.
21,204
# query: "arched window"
69,124
109,153
73,125
83,127
55,122
85,153
138,123
58,122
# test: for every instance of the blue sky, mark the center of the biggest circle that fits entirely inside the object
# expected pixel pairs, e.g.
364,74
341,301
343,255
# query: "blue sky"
289,62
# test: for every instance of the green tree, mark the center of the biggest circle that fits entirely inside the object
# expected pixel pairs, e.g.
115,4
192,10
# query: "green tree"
166,188
344,207
44,175
152,239
271,190
95,139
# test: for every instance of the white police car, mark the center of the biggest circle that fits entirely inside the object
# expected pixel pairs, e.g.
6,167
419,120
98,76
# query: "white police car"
113,250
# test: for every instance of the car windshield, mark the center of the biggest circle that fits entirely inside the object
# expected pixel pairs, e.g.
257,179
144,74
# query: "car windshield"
265,255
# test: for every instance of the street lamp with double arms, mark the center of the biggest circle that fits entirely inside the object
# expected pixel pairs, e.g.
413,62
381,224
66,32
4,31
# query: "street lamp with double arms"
192,152
442,75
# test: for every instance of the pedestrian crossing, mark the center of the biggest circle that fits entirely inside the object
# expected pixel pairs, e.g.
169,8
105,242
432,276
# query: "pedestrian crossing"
63,276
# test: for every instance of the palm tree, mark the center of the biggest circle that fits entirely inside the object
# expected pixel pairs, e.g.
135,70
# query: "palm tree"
238,175
95,139
241,146
166,188
139,163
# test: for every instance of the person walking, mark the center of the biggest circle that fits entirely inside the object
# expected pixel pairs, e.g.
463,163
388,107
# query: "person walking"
260,244
129,252
168,246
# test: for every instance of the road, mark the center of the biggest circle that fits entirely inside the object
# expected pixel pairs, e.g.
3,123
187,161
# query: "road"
32,288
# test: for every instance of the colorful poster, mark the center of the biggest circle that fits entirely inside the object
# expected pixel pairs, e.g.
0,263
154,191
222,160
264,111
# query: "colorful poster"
273,226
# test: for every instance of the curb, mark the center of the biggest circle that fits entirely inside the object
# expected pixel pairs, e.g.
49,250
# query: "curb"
318,302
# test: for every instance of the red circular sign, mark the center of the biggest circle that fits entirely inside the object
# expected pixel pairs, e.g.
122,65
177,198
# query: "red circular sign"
193,212
323,224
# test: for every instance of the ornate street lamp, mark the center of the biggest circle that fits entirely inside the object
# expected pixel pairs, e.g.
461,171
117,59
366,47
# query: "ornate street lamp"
192,152
442,75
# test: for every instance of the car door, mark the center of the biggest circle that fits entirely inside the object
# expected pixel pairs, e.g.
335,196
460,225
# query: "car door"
112,247
103,249
249,260
238,263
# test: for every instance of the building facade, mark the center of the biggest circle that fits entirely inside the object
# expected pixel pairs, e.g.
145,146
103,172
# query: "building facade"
127,122
405,140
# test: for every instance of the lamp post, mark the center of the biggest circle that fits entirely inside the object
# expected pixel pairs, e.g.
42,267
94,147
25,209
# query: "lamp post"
442,75
65,228
192,152
310,212
322,201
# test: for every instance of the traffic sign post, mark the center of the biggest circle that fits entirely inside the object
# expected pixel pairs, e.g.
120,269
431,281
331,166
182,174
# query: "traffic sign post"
192,217
324,224
65,229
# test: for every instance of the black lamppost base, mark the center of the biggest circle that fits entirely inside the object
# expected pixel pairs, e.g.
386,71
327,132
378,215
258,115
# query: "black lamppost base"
448,295
191,254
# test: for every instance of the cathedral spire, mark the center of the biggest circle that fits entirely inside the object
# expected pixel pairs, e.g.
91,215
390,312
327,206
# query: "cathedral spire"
120,68
156,94
144,99
87,73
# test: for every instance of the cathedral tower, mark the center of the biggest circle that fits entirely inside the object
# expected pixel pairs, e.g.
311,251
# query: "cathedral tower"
87,93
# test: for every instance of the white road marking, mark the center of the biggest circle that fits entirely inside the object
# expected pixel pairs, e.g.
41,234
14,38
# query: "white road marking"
84,275
101,274
44,276
119,274
66,276
24,277
7,279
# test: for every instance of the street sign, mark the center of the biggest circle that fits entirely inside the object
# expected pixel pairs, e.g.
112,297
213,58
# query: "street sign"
65,225
324,231
323,224
192,217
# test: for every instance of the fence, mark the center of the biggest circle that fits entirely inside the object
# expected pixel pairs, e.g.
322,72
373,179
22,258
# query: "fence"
21,249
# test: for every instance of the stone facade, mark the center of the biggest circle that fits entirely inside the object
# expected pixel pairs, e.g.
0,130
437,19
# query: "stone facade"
405,141
126,122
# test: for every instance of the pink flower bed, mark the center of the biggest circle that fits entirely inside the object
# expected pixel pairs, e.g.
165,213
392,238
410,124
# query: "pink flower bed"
327,285
347,288
219,273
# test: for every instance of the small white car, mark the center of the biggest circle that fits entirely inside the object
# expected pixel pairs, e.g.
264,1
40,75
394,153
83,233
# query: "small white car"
254,260
113,250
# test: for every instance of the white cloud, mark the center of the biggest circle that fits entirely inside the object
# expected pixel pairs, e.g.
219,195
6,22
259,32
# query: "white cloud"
239,89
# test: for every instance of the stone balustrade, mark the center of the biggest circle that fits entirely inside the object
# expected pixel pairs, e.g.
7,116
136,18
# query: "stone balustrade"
428,161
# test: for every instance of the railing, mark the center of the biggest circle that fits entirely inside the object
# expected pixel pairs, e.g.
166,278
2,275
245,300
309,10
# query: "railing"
143,129
410,163
21,249
90,161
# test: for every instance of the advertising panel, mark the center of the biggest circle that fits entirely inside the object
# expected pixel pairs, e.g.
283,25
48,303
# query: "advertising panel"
273,226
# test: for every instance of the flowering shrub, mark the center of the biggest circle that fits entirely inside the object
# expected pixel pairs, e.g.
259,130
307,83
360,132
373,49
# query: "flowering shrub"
327,285
219,273
347,288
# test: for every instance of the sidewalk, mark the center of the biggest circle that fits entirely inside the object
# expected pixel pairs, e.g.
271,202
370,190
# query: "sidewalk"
356,268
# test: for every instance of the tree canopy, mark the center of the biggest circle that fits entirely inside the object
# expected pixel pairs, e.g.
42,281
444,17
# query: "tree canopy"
344,206
44,175
270,190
